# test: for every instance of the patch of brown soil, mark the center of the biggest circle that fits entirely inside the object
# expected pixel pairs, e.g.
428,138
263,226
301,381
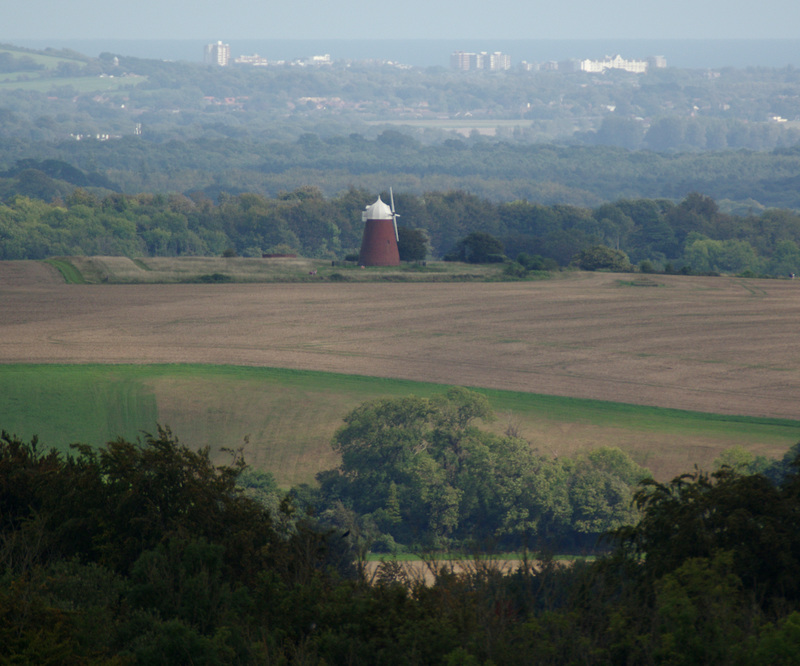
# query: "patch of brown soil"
721,345
414,572
16,274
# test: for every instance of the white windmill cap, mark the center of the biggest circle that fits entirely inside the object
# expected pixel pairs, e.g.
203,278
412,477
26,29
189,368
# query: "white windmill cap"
377,211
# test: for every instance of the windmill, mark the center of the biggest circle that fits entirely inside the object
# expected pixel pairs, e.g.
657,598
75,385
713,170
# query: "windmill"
379,243
394,215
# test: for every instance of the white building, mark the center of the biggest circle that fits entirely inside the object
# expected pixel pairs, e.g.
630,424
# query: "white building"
460,60
617,62
252,60
499,61
217,54
466,61
319,60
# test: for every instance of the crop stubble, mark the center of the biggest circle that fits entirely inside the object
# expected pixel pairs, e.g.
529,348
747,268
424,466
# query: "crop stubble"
725,345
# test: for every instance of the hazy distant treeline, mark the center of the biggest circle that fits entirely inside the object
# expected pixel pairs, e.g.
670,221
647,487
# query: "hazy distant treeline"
578,175
550,137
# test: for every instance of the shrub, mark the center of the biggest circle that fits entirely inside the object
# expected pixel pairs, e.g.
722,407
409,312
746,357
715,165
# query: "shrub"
646,266
215,277
600,257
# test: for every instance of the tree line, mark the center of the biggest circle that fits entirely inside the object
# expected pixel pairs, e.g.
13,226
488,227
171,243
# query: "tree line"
693,235
147,553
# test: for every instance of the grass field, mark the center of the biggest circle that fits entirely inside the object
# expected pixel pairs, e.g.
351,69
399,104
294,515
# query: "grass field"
289,416
50,62
68,271
198,356
465,127
44,80
82,84
169,270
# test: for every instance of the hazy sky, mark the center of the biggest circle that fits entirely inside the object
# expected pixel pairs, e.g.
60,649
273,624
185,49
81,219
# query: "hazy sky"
362,19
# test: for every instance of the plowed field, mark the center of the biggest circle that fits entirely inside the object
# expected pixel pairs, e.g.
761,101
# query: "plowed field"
725,345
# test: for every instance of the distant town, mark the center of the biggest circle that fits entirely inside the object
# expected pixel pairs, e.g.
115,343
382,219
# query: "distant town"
219,53
464,61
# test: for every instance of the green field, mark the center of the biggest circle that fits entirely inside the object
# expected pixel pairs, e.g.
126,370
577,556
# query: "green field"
289,416
167,270
46,60
464,126
43,82
68,271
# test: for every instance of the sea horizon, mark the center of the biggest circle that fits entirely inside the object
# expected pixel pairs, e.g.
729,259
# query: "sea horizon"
683,53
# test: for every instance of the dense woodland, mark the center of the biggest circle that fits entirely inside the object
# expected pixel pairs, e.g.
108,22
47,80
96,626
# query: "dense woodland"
741,180
144,552
692,235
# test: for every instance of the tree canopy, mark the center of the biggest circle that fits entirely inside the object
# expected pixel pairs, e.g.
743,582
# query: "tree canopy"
421,471
146,553
477,247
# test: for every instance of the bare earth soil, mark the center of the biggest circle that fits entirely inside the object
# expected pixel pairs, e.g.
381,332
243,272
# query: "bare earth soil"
725,345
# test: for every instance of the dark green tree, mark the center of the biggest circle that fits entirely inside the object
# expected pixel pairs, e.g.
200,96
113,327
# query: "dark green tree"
413,244
601,257
477,248
421,470
700,515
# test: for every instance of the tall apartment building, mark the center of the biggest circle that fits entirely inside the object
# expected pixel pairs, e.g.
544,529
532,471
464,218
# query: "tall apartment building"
217,54
492,61
460,60
499,61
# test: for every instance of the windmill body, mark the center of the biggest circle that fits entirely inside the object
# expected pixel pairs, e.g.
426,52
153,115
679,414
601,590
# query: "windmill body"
379,243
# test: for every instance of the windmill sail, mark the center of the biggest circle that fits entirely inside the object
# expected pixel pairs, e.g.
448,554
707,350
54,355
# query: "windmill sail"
394,216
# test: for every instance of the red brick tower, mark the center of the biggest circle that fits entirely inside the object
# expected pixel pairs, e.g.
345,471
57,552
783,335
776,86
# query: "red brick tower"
379,243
